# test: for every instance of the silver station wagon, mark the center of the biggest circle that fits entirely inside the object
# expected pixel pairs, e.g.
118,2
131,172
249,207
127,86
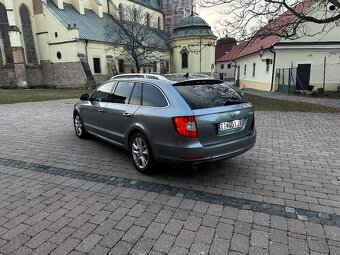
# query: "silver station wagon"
179,119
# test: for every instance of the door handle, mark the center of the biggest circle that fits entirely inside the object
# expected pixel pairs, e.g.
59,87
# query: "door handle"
126,114
100,110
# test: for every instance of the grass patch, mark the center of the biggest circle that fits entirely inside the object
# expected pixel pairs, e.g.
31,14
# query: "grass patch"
11,96
260,103
270,104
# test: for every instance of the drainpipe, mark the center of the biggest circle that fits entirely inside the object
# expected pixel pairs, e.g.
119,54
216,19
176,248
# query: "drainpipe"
273,73
235,67
86,44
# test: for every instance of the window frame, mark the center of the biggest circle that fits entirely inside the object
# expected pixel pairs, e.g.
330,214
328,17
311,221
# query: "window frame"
97,65
159,89
185,60
114,84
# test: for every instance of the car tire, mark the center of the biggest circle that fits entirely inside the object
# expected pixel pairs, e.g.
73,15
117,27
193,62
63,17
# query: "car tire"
141,153
78,126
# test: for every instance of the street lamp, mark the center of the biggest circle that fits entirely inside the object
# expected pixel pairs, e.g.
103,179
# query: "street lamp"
261,52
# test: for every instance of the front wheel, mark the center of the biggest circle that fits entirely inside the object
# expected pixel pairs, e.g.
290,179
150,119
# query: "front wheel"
141,153
78,126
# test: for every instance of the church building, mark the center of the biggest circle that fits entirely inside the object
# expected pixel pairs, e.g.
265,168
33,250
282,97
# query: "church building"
77,43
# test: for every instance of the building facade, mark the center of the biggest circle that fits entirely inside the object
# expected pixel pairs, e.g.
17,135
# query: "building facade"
63,43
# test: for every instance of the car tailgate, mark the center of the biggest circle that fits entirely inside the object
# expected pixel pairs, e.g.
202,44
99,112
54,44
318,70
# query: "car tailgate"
236,123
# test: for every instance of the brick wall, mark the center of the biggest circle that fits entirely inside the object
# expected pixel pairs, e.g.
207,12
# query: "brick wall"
37,7
100,78
58,75
63,74
7,78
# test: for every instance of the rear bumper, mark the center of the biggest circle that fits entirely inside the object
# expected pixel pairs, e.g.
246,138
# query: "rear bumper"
194,153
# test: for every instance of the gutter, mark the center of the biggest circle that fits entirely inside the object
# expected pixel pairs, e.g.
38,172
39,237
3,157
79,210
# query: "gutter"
273,72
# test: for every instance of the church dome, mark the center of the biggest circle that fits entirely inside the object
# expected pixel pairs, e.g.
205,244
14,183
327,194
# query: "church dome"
192,26
226,40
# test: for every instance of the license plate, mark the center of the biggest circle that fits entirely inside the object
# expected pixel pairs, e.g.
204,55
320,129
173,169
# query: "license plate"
229,126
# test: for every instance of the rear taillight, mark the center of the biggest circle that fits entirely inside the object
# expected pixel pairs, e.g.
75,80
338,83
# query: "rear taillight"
185,126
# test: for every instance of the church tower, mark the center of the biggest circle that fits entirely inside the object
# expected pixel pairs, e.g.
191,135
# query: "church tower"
175,10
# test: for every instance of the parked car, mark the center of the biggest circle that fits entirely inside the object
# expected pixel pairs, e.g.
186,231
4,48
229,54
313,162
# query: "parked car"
193,120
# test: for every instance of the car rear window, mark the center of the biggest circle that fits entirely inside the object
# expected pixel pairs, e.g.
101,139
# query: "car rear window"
200,96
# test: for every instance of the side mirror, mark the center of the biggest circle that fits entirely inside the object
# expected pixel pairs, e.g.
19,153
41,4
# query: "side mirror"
84,97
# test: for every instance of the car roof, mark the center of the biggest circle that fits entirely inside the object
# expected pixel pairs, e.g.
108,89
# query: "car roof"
171,76
139,75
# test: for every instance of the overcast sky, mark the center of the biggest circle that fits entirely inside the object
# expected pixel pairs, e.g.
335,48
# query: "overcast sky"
212,16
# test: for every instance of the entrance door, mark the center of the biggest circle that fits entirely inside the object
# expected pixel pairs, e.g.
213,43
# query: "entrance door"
303,76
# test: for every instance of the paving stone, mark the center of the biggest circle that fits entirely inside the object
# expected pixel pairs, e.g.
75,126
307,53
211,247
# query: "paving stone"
240,243
143,246
145,219
298,246
261,219
192,223
164,243
185,238
219,246
23,250
174,227
88,243
164,216
125,223
177,250
44,249
210,221
37,228
230,213
332,233
278,248
66,247
14,244
154,230
99,217
83,231
205,235
259,239
17,230
224,230
318,245
62,235
39,239
199,248
133,234
112,238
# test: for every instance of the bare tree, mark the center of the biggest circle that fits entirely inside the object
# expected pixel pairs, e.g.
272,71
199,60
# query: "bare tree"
135,33
284,18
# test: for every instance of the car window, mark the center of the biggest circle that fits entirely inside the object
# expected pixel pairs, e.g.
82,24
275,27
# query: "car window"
136,95
102,94
122,92
208,95
152,96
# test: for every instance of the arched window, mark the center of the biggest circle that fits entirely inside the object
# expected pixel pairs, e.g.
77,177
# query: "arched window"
148,19
159,22
134,15
28,35
121,11
185,59
254,69
5,43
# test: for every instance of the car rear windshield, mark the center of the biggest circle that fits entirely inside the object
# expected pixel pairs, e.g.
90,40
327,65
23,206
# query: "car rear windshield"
200,95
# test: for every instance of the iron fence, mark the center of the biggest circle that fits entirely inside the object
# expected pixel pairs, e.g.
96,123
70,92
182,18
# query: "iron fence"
306,77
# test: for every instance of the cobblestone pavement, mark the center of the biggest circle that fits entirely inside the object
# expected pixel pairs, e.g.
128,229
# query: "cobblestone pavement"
305,99
63,195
